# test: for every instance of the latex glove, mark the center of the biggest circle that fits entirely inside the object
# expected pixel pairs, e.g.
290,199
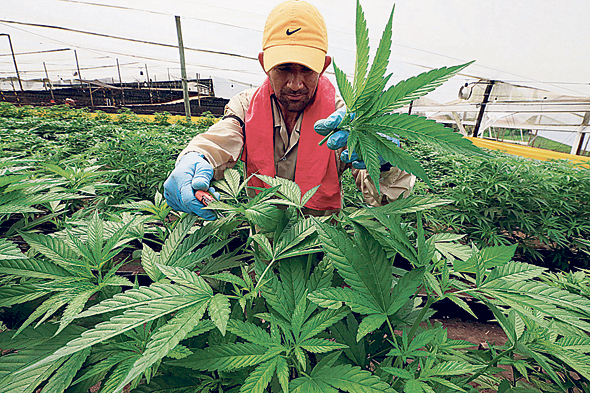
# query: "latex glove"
340,138
191,173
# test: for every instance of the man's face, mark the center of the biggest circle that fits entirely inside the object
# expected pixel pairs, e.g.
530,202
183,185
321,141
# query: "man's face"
294,85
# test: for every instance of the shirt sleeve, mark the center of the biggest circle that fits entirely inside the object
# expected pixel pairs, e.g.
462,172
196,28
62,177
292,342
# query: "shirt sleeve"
222,143
393,184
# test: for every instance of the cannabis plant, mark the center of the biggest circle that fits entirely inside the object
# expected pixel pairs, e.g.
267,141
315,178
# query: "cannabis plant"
370,118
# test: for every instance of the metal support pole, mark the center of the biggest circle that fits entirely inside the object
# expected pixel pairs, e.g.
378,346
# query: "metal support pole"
198,89
187,105
482,107
580,134
81,83
121,84
147,76
49,82
20,83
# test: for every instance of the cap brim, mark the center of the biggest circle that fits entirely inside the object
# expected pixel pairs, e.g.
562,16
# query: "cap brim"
312,58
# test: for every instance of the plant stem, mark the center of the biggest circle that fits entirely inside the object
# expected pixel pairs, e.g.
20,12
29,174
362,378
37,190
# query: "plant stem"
263,274
490,364
308,267
419,319
429,302
326,138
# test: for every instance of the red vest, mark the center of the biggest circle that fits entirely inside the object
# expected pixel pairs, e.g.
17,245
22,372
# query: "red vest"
315,164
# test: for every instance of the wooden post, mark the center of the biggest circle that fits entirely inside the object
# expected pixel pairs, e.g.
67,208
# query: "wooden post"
20,83
147,75
121,84
81,83
187,104
49,82
198,90
579,138
482,107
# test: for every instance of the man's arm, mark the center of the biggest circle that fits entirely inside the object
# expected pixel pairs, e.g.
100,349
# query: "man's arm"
222,143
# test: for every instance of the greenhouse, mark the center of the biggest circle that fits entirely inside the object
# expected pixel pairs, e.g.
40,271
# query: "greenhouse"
201,196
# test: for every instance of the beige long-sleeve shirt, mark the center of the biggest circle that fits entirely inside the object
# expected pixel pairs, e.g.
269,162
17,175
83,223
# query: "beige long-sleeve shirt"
222,145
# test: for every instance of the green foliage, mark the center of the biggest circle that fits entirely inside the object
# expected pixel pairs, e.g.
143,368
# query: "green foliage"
265,299
542,207
369,117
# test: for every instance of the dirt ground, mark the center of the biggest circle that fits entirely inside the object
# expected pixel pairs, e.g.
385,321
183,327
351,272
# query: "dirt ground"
476,332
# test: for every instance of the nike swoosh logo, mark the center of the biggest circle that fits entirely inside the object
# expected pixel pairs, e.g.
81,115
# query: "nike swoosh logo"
292,32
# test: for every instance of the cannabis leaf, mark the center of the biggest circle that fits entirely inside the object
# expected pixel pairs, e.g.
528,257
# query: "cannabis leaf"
369,118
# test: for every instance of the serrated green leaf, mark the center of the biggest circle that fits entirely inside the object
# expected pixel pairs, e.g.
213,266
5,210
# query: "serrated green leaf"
259,379
118,375
333,298
287,188
32,345
404,289
514,271
58,251
351,379
249,331
283,373
33,268
321,321
414,386
367,151
487,258
362,264
142,296
293,282
219,310
461,303
374,83
344,86
227,357
166,338
448,368
186,277
19,293
320,345
264,244
228,277
398,372
413,88
65,374
298,233
362,53
398,157
420,129
129,320
75,306
369,324
264,215
9,250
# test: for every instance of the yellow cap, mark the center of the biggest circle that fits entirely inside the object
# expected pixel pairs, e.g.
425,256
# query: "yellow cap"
295,32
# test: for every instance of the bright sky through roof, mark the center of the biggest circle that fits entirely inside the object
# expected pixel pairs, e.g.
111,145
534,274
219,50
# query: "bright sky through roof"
537,43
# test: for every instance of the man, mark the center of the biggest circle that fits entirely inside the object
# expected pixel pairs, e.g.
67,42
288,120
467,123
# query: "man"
276,128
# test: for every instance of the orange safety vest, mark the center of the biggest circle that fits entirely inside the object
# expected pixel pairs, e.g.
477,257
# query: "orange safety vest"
315,164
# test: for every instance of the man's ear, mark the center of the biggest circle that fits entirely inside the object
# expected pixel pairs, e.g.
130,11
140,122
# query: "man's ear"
327,63
261,60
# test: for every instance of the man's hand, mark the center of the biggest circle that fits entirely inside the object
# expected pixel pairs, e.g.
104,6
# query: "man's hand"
192,173
339,139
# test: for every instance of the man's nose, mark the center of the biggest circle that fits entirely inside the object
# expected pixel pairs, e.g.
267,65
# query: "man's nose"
295,81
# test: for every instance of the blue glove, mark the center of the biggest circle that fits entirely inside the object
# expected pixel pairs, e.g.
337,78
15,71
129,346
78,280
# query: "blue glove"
339,139
191,173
